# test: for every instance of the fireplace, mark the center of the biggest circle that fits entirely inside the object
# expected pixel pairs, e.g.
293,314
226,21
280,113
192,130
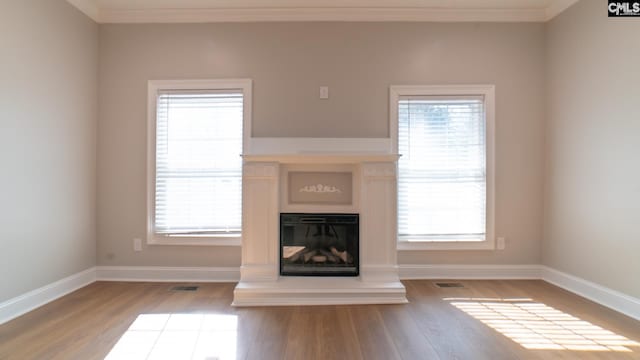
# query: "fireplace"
319,244
319,229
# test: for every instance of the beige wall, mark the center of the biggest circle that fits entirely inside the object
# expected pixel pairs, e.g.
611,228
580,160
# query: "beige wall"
48,97
288,62
592,211
49,93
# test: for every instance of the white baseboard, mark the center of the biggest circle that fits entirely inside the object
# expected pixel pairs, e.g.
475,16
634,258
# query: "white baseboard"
610,298
33,299
24,303
232,274
602,295
167,274
469,272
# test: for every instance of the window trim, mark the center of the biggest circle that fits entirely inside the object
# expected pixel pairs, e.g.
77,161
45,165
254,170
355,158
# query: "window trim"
488,92
153,87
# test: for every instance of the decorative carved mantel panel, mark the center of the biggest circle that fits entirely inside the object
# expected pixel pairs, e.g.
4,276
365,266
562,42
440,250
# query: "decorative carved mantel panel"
320,187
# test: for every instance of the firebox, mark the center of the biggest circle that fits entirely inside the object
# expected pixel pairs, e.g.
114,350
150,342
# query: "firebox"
319,244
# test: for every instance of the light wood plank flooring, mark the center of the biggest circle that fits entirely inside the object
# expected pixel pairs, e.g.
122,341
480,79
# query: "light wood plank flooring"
482,320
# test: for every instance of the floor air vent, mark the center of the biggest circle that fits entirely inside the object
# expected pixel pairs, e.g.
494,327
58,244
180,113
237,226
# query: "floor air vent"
449,285
184,288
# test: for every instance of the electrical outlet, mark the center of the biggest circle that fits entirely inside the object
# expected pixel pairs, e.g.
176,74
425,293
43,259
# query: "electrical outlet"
324,92
501,243
137,244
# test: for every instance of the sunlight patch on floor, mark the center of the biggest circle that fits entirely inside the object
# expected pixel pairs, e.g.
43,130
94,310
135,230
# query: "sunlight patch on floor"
178,336
537,326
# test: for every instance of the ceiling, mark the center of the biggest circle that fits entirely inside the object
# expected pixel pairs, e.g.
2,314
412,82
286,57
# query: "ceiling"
173,11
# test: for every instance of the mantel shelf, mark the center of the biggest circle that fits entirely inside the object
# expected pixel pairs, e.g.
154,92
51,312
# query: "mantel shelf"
321,158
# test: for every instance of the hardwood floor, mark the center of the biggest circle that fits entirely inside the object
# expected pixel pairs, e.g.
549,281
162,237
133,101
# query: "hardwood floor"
482,320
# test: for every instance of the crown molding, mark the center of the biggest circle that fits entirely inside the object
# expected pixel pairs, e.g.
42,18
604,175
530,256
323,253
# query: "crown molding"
88,7
556,7
319,14
357,14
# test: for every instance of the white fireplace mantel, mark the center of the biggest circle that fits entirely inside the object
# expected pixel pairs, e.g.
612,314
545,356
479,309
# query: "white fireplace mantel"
375,186
322,158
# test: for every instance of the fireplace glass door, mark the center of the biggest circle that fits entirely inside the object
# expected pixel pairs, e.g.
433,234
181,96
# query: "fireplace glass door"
319,244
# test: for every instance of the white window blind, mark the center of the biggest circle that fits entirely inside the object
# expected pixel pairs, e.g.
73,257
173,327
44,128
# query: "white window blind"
198,166
442,170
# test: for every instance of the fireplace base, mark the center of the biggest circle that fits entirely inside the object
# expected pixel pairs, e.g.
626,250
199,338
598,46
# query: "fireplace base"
322,291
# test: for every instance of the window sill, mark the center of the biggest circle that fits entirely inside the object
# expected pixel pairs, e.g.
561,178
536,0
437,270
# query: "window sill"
186,240
404,245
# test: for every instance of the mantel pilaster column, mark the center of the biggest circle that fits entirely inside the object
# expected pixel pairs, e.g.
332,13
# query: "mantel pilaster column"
260,184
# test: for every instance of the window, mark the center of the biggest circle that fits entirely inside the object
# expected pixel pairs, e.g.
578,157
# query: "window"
195,170
444,135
